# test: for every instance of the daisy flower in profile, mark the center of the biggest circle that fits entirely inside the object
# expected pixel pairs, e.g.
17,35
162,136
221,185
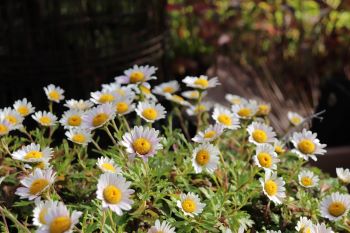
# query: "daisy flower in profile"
36,183
142,142
137,74
279,147
294,118
307,145
54,93
163,227
79,105
79,136
304,225
145,89
266,157
198,109
177,99
108,165
335,206
33,154
260,133
12,117
150,112
343,174
98,116
308,179
190,204
59,220
202,82
235,99
205,157
225,118
5,127
192,95
45,118
71,118
245,110
114,192
40,211
210,134
273,187
123,105
99,97
166,88
264,109
321,228
23,107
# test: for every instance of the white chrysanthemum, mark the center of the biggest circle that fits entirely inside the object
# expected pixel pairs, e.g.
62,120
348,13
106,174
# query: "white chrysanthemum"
321,228
294,118
79,105
335,206
260,133
279,147
71,119
266,157
5,127
245,110
235,99
123,105
193,95
36,183
177,99
304,225
225,118
150,112
190,204
264,109
166,88
343,174
308,179
210,134
142,141
114,192
202,82
137,74
23,107
118,90
161,227
33,154
98,116
12,117
108,165
40,211
145,89
273,187
205,157
59,220
202,107
45,118
79,136
99,97
54,93
307,145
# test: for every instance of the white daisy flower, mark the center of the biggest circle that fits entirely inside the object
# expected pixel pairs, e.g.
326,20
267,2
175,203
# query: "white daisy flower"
273,187
150,112
190,204
307,145
40,211
23,107
12,117
114,192
225,118
45,118
71,118
145,89
161,227
308,179
108,165
205,157
142,141
54,93
123,105
260,133
335,206
264,109
343,174
245,110
177,99
294,118
5,127
167,87
137,74
266,157
321,228
279,147
36,183
202,82
98,116
79,136
210,134
304,225
79,105
235,99
198,109
99,97
59,220
33,154
193,95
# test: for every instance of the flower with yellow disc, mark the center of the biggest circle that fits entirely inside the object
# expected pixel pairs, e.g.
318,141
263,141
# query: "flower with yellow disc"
190,204
202,82
260,133
54,93
205,157
335,206
273,187
150,111
266,157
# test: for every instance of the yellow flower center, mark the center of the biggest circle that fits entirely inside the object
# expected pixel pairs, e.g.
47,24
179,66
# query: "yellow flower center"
295,120
23,110
150,113
79,138
306,181
225,119
188,205
201,82
210,134
136,76
45,120
270,187
336,208
40,165
177,98
202,157
105,98
145,90
112,194
265,159
194,94
263,109
108,167
279,150
307,230
245,112
34,154
74,120
122,107
306,146
3,129
168,90
11,119
54,95
142,146
259,136
99,119
42,214
60,224
38,186
200,108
